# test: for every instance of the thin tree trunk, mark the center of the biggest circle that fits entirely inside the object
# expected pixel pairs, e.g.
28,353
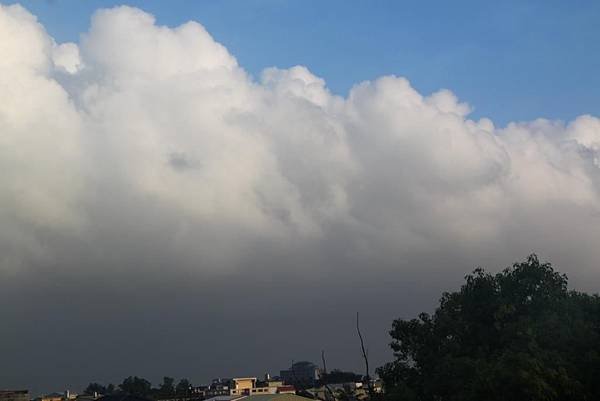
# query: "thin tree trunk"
365,355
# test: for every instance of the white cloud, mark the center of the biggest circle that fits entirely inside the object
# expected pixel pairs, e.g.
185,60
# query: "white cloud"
66,57
40,133
165,118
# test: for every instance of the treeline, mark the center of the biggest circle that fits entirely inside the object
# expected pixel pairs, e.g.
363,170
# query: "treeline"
139,386
143,388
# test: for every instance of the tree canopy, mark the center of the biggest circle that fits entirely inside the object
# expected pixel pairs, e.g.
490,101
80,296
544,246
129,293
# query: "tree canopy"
183,387
167,387
137,386
516,335
96,388
337,376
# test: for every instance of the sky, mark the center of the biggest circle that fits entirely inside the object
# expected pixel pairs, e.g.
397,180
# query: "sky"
214,189
508,59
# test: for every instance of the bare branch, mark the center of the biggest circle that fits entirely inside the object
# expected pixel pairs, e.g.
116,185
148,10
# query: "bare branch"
323,374
365,357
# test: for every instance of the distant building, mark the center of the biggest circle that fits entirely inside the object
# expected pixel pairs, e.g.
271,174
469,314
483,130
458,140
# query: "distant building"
247,386
68,395
219,388
250,386
301,374
14,395
243,385
53,397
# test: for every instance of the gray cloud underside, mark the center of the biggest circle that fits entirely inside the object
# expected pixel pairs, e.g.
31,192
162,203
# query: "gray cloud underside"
163,212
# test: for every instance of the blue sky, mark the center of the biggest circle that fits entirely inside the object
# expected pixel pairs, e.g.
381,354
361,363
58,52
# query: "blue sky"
511,60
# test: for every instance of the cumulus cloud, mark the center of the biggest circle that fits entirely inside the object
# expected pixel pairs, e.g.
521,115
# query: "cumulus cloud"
145,145
66,57
168,117
40,145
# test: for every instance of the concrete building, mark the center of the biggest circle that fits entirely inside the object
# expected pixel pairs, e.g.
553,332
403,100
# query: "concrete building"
243,385
302,374
250,386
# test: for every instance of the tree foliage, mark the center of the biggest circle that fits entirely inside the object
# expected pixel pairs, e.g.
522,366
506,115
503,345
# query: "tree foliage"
136,386
183,387
337,376
517,335
141,387
95,388
167,387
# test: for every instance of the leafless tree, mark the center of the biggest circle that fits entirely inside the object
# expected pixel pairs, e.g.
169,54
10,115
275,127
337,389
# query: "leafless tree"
365,354
323,375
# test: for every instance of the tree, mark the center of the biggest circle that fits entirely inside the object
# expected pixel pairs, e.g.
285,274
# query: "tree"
99,389
517,335
337,376
167,387
136,386
183,387
95,388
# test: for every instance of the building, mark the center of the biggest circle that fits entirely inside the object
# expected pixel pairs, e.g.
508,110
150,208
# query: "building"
69,396
53,397
14,395
302,374
243,385
250,386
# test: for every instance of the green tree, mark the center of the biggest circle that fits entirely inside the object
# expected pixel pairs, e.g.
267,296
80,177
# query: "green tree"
183,387
95,388
136,386
167,387
337,376
517,335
